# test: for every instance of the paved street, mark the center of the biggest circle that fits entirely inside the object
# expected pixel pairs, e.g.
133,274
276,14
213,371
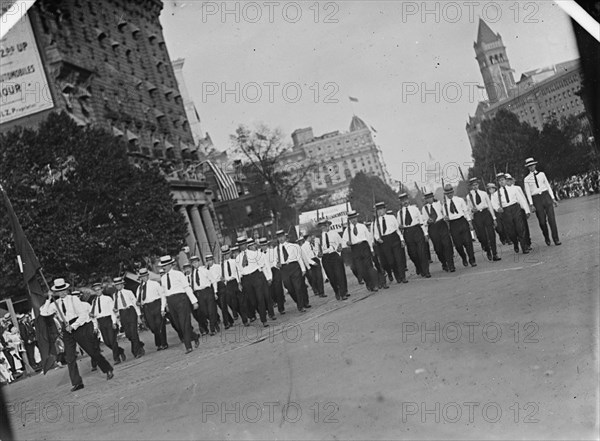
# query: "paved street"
505,350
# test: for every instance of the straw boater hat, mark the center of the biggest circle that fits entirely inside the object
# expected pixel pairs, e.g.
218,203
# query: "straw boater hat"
59,285
208,257
194,258
508,177
403,196
225,249
280,233
241,240
500,176
249,241
234,248
76,293
263,241
323,222
143,272
379,205
96,285
352,214
448,189
473,181
118,280
427,195
166,260
529,162
491,185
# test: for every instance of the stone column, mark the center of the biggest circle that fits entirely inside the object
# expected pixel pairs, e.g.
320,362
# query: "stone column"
200,233
210,231
190,238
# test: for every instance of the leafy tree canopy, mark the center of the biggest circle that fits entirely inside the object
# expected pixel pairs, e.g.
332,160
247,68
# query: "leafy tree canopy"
85,209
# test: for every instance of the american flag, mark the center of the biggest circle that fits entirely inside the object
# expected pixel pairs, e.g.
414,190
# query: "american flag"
227,186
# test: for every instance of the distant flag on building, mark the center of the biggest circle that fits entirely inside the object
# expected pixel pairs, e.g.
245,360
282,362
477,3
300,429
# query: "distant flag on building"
354,100
226,185
373,128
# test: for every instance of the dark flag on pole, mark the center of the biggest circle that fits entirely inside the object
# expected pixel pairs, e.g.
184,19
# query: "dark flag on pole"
30,266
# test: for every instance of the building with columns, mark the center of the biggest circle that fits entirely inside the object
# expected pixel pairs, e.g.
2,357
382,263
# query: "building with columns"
105,62
539,96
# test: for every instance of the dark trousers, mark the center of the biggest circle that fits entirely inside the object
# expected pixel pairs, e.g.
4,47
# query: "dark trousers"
461,236
84,337
109,336
544,210
416,245
255,289
180,309
363,260
513,223
484,229
156,322
439,233
30,351
207,306
129,321
276,290
315,274
526,227
334,268
500,229
293,280
235,300
223,304
394,254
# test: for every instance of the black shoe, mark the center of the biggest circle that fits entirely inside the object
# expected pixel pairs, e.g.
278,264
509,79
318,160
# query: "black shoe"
235,317
452,270
391,278
77,387
337,297
282,312
428,276
301,310
265,325
526,251
385,287
197,342
309,306
117,361
123,356
489,255
465,263
516,248
253,319
323,295
187,351
246,324
557,243
548,242
361,282
404,280
445,268
109,375
496,258
217,328
159,348
272,317
211,334
95,368
473,264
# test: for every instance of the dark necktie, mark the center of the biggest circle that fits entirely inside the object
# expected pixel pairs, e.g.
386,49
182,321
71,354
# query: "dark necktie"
64,308
98,305
506,195
244,260
197,277
453,207
326,240
407,218
116,305
536,181
431,212
285,254
355,231
383,225
228,269
143,292
477,198
122,299
168,282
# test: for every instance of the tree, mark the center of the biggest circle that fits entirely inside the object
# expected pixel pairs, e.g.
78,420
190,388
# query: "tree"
502,145
317,199
263,149
85,209
366,190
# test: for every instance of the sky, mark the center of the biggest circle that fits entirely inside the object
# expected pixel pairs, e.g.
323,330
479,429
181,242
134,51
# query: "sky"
411,65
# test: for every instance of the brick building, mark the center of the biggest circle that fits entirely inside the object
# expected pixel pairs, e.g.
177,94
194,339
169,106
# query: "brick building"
539,96
107,64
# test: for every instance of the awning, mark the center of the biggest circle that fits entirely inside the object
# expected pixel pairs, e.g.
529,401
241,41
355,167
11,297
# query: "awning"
100,33
168,145
226,185
117,132
158,113
150,86
131,136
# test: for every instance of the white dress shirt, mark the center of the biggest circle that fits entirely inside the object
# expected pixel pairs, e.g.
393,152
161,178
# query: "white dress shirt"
203,278
294,254
484,204
429,209
533,189
417,218
231,271
362,236
515,196
461,208
76,311
391,227
310,252
129,300
102,306
154,291
256,262
335,242
179,284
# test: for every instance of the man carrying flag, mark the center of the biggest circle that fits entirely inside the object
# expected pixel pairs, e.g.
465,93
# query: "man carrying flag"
46,332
